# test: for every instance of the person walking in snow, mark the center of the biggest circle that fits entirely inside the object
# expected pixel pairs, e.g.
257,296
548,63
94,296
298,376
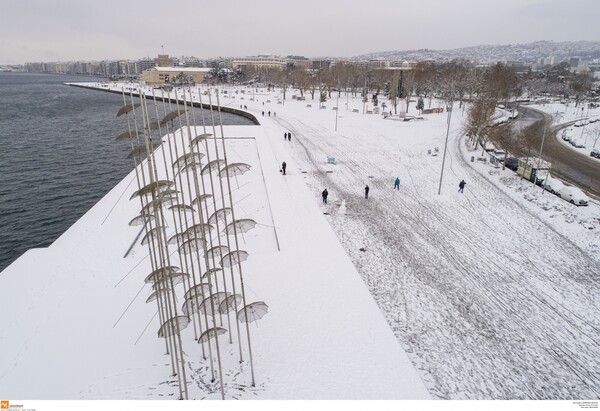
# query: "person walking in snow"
283,166
367,191
397,183
324,194
285,136
461,186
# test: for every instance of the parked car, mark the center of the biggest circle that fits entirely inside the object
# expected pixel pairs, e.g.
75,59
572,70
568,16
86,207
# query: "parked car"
500,155
573,195
512,163
595,153
553,185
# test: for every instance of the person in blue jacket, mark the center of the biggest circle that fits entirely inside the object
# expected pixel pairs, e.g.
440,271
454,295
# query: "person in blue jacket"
397,183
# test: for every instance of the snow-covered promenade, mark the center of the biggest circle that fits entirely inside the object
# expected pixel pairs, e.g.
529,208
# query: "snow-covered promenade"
486,294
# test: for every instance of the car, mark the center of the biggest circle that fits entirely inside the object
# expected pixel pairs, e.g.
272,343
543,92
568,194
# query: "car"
553,185
500,155
512,163
573,195
595,153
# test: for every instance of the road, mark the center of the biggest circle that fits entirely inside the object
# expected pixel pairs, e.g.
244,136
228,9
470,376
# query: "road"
568,165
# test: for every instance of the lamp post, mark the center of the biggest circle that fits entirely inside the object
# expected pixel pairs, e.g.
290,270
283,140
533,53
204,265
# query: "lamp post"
449,104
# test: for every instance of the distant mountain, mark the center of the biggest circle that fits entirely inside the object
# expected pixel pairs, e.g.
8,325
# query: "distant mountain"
528,53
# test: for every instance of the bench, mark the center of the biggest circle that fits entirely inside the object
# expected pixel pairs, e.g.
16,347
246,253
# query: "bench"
331,160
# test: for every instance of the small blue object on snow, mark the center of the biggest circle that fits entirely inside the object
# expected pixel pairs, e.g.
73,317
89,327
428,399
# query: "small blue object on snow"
331,160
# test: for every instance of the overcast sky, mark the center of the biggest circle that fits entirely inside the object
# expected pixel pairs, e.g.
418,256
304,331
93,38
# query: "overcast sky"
62,30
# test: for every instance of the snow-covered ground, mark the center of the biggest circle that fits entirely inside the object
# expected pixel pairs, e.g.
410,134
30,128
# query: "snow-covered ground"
492,293
583,133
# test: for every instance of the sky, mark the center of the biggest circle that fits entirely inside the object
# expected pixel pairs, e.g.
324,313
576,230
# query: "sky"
63,30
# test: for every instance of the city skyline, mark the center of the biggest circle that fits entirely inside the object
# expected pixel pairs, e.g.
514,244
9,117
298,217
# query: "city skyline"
68,30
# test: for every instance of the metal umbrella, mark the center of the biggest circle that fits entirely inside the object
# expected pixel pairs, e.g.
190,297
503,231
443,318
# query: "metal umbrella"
187,159
170,280
199,230
220,215
198,291
213,165
230,303
234,169
213,300
137,151
242,225
233,257
199,138
162,200
141,219
192,245
127,108
161,272
201,198
212,333
125,134
211,271
173,325
253,311
178,238
155,186
217,251
153,234
182,208
170,117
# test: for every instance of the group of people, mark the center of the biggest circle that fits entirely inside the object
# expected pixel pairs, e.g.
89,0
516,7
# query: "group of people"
274,114
325,193
287,136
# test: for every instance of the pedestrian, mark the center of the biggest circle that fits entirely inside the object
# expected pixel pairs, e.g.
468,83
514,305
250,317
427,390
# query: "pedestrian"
245,107
269,114
461,186
397,183
263,113
324,194
283,166
285,136
289,136
367,191
274,114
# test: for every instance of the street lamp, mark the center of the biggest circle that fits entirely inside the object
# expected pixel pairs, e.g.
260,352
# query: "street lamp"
449,104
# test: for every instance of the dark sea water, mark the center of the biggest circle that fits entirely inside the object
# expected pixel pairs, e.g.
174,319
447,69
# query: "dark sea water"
58,156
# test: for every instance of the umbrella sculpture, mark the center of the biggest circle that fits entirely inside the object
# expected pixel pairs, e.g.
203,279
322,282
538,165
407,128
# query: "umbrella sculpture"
162,200
242,225
189,246
187,159
170,280
124,135
233,257
220,215
173,325
196,303
213,300
153,234
200,199
137,151
199,230
198,290
182,208
141,219
253,311
161,272
199,138
217,252
153,187
212,166
234,169
127,108
230,303
212,333
211,271
169,117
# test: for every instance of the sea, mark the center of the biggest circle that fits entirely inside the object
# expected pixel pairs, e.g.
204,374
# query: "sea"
58,156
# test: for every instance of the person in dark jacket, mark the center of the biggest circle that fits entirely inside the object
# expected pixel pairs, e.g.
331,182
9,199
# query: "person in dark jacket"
367,191
461,186
283,166
324,194
397,183
289,136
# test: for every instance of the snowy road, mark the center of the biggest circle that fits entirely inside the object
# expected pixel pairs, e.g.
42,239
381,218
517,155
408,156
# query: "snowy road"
489,300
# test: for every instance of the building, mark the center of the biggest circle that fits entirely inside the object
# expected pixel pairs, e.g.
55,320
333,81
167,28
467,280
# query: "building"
260,62
165,75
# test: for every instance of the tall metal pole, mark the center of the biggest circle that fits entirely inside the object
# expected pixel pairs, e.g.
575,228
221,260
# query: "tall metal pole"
449,105
540,159
337,108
